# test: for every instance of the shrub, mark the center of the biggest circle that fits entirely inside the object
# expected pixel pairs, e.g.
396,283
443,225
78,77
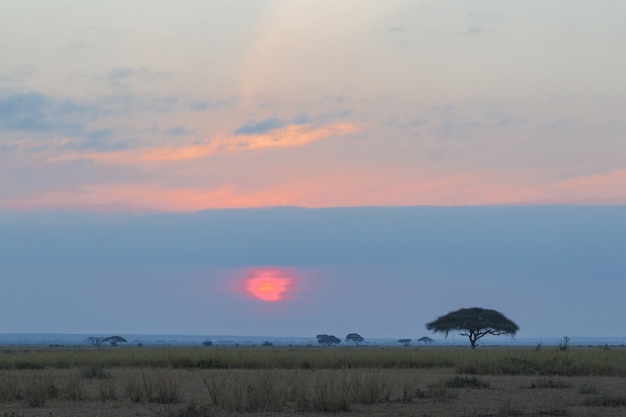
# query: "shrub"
553,412
371,388
73,389
440,392
588,389
39,390
94,372
192,409
467,382
10,389
509,411
161,388
133,389
606,401
107,390
331,395
550,383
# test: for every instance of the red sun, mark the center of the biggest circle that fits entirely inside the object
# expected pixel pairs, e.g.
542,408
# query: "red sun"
268,284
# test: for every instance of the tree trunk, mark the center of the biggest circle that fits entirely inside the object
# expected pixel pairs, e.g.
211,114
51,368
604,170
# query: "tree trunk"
473,338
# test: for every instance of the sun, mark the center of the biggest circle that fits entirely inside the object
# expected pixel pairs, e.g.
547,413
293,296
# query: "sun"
268,284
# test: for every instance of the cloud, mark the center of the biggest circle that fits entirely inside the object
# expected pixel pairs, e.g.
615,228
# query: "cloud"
120,77
35,112
203,105
604,188
179,131
24,111
264,126
18,76
472,30
288,136
35,122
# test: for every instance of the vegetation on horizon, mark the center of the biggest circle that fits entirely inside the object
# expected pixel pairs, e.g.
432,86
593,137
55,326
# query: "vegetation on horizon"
492,360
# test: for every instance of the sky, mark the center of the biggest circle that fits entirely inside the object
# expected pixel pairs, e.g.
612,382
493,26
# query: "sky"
382,272
117,113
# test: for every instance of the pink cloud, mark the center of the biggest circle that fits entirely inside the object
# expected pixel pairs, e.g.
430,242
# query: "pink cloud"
334,189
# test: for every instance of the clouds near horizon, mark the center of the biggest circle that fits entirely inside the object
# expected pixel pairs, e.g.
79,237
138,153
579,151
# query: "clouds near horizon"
395,103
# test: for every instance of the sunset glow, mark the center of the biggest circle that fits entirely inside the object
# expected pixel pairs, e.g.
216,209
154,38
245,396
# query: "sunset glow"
393,104
257,173
289,136
268,284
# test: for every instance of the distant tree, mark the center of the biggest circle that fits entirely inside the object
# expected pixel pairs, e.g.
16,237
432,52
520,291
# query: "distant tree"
405,342
354,337
95,341
207,343
267,343
99,341
425,340
564,344
328,340
114,340
474,323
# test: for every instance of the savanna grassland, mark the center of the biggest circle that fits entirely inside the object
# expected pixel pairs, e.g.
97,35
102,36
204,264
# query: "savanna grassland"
312,381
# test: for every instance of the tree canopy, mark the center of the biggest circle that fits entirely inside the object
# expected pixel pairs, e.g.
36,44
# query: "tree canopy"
405,342
474,323
99,341
95,341
328,340
354,337
425,340
115,340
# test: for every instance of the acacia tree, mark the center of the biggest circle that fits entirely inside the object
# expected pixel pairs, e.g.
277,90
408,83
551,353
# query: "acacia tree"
474,323
328,340
425,340
99,341
95,341
405,342
354,337
115,340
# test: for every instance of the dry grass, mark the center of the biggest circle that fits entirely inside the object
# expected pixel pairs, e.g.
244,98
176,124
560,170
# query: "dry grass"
210,381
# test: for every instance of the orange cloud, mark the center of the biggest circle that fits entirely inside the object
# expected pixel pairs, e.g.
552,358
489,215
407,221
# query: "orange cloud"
288,136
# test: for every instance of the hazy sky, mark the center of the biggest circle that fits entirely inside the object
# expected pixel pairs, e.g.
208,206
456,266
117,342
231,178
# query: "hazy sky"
191,105
382,272
120,120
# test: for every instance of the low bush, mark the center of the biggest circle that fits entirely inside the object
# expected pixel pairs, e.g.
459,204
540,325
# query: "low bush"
107,390
39,390
550,383
73,388
467,382
606,401
588,389
94,372
161,388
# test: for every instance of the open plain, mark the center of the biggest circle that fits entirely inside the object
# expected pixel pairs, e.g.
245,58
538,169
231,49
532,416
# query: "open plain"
312,381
